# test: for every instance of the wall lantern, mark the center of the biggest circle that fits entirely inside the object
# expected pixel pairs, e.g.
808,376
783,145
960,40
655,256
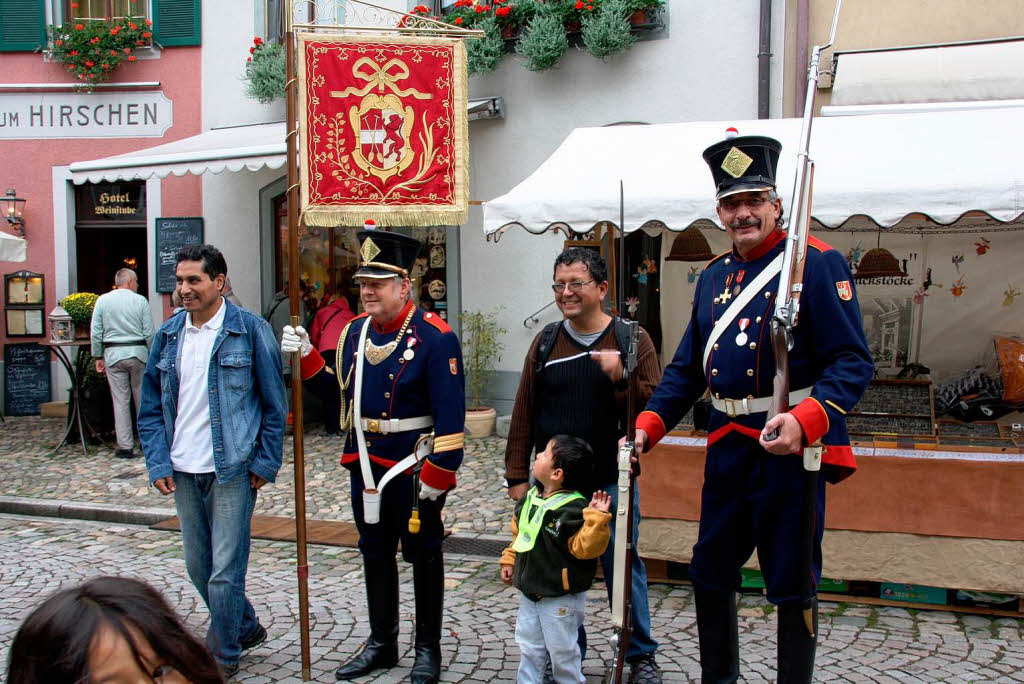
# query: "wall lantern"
11,207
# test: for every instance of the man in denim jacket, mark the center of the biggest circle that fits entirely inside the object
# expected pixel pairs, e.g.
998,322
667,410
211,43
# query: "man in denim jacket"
211,423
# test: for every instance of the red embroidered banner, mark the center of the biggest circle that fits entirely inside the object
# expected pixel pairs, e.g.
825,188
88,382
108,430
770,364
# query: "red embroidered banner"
383,130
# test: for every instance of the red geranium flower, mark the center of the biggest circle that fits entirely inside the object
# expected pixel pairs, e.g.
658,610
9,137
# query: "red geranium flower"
114,31
74,5
105,66
131,58
89,63
95,40
132,25
257,40
590,8
248,59
458,20
126,51
79,27
74,53
139,43
252,51
147,34
478,9
59,43
579,4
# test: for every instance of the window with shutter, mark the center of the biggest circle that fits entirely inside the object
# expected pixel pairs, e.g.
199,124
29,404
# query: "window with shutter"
22,25
176,22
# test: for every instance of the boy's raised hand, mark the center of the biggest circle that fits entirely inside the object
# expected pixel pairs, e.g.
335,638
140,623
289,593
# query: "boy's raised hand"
601,501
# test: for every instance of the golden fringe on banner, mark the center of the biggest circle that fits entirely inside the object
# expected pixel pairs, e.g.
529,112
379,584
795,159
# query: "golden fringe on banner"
455,213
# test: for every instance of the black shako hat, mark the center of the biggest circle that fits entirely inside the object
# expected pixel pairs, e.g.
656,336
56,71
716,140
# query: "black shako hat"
743,164
386,255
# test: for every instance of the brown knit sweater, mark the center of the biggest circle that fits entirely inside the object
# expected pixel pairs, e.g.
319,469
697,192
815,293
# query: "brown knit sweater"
520,436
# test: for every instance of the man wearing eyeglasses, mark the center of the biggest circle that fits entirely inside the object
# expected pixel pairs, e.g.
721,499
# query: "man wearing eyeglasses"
753,491
574,383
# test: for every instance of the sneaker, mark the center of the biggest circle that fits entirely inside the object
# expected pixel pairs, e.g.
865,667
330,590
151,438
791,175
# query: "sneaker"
549,677
125,453
644,670
228,671
257,638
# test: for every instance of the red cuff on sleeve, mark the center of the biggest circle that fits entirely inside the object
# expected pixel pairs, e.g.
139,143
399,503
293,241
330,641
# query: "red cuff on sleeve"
812,418
437,477
312,363
651,423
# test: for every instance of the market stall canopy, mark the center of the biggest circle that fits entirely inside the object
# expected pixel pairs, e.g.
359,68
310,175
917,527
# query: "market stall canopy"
12,247
235,148
886,167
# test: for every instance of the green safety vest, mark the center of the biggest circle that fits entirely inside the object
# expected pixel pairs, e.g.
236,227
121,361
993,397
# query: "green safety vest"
532,515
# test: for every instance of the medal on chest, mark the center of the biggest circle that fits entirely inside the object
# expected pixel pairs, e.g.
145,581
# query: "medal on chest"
741,339
375,353
726,295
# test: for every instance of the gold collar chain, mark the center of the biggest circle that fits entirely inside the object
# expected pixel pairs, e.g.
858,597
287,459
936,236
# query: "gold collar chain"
377,353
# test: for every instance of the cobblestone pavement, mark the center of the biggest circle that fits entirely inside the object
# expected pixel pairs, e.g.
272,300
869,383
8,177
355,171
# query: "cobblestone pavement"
478,505
858,644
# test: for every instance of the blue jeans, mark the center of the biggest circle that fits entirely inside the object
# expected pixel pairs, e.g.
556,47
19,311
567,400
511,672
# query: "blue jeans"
640,642
548,628
215,521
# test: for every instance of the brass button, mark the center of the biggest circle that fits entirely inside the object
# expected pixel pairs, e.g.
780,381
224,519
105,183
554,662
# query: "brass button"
727,261
718,395
753,345
387,395
391,376
384,414
757,320
714,371
750,372
715,347
750,396
767,295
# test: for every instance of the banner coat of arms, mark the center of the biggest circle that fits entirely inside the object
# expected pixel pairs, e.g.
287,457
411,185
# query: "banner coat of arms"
383,130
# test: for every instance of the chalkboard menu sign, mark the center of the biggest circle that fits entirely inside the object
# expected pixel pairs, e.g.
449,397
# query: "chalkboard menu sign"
171,235
26,378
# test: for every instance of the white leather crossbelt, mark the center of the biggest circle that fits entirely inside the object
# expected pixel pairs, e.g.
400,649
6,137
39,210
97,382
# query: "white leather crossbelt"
746,407
388,426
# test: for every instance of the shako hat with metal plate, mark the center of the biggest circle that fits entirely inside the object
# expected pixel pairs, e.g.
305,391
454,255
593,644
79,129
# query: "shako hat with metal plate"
743,163
385,255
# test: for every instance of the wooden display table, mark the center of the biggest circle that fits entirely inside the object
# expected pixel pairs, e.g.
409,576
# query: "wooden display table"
941,518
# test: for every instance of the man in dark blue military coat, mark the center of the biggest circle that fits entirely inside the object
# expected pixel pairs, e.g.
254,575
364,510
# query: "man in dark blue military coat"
753,488
400,376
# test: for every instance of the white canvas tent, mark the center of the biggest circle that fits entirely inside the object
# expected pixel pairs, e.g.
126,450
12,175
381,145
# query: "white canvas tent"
886,167
12,248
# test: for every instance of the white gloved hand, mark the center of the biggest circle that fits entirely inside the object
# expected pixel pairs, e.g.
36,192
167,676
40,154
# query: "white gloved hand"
295,340
428,492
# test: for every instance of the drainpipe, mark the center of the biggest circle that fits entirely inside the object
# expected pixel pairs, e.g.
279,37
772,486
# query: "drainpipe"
802,39
764,58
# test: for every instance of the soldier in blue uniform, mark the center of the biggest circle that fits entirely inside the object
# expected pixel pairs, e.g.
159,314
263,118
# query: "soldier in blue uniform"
402,403
753,488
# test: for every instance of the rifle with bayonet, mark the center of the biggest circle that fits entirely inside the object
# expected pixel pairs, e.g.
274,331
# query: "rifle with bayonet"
623,550
786,318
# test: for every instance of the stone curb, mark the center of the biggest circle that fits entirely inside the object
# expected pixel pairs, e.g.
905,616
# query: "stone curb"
97,512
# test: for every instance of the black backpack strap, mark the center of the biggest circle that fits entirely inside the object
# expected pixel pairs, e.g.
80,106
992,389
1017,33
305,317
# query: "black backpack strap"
622,337
547,342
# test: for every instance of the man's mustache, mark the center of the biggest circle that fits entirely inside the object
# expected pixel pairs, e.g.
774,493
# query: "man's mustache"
738,223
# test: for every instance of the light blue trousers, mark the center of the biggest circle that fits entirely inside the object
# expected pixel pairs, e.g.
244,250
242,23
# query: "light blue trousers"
549,628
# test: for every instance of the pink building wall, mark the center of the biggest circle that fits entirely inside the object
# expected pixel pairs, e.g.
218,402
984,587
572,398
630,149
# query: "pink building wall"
26,165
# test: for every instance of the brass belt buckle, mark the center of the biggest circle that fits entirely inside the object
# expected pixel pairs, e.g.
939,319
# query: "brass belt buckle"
730,407
373,425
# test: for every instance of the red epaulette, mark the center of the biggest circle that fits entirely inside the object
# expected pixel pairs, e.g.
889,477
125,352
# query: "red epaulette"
436,321
819,245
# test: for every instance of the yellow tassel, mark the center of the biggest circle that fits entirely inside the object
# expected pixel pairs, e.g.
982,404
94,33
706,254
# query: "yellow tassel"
414,522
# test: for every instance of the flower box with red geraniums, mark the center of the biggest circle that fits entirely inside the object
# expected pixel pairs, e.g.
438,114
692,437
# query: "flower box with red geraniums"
91,50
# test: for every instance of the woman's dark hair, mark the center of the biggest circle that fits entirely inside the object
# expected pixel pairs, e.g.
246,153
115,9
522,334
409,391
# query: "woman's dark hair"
53,643
588,257
576,459
213,261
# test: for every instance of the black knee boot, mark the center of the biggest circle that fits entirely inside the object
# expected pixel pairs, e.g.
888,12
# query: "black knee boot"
428,581
381,649
796,645
718,635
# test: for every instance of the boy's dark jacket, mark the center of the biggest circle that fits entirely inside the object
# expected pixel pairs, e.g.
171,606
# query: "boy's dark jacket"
563,560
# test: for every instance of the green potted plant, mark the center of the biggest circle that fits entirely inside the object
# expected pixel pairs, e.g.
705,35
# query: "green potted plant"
607,32
544,41
91,50
484,54
79,306
264,71
640,11
481,350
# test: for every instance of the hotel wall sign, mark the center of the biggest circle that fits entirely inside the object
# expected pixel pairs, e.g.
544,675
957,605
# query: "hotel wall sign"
85,115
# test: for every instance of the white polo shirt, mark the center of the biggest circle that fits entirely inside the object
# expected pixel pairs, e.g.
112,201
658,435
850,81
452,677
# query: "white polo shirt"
192,451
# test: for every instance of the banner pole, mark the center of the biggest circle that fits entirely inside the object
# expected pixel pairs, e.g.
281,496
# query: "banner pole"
302,566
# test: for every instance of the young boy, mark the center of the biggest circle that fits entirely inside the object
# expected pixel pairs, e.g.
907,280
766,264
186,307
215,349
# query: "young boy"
553,560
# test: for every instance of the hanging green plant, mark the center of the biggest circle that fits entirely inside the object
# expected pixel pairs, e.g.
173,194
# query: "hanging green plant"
91,50
544,42
484,54
264,71
607,32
